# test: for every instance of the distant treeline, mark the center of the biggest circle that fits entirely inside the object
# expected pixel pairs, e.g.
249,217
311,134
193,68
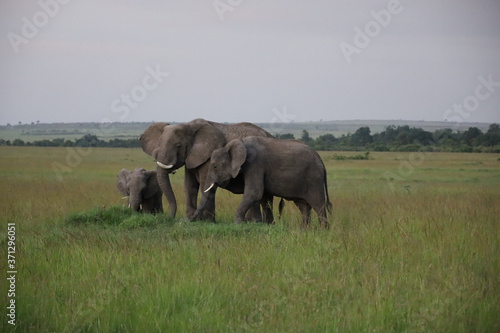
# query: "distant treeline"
400,138
87,140
405,138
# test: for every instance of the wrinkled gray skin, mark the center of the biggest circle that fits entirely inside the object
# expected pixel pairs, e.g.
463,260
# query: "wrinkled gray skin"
191,145
284,168
142,189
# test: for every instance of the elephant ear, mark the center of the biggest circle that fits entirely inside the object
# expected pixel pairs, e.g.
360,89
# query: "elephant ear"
121,181
206,139
149,139
237,155
152,186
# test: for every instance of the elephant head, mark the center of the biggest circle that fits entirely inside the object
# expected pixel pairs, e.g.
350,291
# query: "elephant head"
142,189
173,146
225,164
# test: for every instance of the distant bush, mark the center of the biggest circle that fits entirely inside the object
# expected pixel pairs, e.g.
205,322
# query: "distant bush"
85,141
284,136
409,139
365,156
18,142
409,148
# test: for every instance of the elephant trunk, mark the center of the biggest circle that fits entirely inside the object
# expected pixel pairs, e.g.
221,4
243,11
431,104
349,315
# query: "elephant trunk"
134,203
166,188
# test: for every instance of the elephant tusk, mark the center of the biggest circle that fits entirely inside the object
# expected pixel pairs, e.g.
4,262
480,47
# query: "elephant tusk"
208,189
125,197
164,166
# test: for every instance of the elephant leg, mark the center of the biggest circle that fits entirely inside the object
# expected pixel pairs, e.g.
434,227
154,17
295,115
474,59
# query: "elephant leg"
153,205
280,207
158,205
191,187
209,211
244,206
267,208
251,197
305,209
147,206
319,206
323,219
206,208
252,193
207,199
254,213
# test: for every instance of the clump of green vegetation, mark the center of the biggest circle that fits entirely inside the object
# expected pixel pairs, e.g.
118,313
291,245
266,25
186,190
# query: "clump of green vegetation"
365,156
116,216
102,216
122,218
139,220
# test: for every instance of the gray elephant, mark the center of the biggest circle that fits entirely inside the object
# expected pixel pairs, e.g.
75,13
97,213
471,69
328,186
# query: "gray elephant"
284,168
142,189
191,145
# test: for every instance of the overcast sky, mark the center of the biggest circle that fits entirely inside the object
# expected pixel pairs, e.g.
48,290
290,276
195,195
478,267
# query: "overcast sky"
242,60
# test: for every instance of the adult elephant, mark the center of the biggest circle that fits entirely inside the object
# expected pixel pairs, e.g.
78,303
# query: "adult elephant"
142,190
191,145
286,168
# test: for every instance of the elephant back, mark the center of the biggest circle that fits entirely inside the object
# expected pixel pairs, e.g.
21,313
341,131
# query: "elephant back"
240,130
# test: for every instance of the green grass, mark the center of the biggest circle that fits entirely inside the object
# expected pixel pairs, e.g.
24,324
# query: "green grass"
417,253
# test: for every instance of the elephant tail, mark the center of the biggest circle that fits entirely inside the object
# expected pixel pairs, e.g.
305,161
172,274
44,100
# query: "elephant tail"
328,202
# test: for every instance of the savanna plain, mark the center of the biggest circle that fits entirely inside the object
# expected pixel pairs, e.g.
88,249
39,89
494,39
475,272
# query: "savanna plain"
414,246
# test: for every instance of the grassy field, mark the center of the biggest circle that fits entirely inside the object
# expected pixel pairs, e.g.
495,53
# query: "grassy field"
414,247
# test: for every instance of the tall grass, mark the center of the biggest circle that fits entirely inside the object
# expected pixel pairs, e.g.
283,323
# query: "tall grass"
419,255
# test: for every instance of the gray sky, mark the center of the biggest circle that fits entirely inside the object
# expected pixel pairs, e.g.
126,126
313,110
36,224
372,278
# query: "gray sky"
242,60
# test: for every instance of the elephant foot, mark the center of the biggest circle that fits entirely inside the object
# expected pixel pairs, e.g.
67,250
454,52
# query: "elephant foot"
238,220
194,217
209,218
197,216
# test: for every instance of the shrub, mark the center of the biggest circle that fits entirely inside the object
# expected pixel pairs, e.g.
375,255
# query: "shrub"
365,156
116,216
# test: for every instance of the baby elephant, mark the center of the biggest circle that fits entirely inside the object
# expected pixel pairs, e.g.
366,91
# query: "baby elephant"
283,168
142,189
